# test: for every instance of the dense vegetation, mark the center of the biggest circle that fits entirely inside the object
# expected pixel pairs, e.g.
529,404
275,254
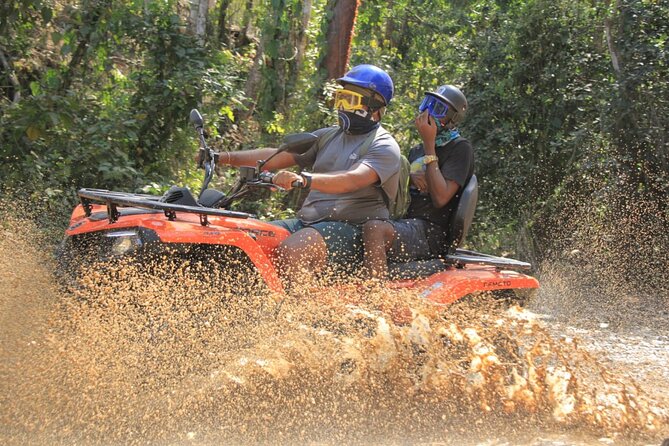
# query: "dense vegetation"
569,99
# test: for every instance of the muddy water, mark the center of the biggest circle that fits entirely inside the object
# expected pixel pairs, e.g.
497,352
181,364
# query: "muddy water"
182,357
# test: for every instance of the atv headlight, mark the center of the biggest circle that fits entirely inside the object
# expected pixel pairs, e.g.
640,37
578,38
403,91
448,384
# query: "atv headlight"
124,242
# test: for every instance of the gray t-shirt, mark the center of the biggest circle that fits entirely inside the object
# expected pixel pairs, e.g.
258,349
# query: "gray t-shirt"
341,153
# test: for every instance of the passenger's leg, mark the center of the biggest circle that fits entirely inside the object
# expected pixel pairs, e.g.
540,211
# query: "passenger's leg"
377,238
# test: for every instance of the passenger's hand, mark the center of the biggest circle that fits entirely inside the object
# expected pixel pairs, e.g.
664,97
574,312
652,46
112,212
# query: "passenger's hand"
285,179
426,127
418,181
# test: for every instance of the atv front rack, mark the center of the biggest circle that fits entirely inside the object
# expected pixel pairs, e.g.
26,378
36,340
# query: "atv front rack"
115,199
458,259
463,257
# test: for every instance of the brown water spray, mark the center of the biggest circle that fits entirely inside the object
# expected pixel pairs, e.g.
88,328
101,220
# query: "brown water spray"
167,353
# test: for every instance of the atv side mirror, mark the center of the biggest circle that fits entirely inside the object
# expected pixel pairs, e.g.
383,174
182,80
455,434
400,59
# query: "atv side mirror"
196,118
297,142
293,143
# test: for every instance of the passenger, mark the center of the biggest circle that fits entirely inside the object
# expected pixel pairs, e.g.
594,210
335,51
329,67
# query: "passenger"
347,187
440,168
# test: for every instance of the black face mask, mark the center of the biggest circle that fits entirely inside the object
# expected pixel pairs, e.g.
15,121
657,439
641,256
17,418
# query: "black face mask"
355,124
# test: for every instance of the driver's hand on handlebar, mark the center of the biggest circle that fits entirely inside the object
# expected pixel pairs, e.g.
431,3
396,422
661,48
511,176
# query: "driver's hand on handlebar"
285,179
220,158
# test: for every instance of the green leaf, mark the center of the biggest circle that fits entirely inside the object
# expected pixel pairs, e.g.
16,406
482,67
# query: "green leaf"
33,133
227,112
47,14
35,88
56,37
54,117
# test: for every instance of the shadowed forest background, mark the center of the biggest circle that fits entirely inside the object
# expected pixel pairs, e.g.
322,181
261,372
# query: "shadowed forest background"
569,104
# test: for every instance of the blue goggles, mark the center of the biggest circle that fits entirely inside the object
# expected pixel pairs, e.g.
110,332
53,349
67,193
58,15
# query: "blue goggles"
434,106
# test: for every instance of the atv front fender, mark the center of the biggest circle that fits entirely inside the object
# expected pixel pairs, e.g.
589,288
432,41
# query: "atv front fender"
230,237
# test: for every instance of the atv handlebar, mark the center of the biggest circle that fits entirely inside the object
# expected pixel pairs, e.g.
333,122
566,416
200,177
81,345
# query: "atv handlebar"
268,177
251,176
206,156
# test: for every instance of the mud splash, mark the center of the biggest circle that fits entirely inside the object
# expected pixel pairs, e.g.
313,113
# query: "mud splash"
178,356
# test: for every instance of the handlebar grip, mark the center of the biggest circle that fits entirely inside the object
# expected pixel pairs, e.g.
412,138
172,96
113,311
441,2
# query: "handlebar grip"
266,177
298,184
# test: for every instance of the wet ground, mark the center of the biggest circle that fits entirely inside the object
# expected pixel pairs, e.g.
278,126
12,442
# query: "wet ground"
120,357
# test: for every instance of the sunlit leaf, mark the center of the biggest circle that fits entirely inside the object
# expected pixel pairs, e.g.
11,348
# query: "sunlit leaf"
35,88
33,133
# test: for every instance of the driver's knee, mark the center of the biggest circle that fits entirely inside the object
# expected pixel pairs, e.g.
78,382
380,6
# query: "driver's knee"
304,249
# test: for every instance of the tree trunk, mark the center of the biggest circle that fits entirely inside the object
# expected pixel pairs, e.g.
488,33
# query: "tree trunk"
246,20
613,52
638,132
279,57
293,64
88,25
199,12
389,33
404,37
14,92
252,86
338,37
301,37
223,31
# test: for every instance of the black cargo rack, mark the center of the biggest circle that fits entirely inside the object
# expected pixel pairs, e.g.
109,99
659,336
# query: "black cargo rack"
114,200
465,257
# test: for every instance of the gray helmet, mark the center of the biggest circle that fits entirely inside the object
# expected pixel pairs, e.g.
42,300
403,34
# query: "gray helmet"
455,98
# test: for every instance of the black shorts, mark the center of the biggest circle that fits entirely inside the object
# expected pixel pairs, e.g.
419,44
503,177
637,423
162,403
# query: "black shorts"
416,239
343,241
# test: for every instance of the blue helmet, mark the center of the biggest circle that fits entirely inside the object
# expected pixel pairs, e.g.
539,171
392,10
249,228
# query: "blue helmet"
372,78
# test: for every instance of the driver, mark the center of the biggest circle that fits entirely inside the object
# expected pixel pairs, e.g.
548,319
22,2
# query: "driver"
346,188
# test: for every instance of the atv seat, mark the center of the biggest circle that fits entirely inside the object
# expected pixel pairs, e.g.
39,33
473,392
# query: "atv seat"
461,219
209,198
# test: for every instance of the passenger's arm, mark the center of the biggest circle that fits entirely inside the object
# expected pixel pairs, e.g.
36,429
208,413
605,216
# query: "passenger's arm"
251,157
440,189
332,183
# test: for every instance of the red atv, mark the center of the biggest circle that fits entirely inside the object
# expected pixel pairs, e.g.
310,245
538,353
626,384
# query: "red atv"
110,224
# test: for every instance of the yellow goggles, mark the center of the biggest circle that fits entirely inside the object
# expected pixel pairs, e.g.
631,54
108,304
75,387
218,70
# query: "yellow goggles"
348,100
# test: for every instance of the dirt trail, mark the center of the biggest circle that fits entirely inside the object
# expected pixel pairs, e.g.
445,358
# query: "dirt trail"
122,358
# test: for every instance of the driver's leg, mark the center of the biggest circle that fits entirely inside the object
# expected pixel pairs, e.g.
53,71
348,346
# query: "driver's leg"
302,255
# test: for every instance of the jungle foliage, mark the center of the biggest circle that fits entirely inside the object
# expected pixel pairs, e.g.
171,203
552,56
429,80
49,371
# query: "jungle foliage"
568,98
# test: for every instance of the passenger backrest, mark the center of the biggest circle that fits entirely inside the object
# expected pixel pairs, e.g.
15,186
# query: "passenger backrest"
462,218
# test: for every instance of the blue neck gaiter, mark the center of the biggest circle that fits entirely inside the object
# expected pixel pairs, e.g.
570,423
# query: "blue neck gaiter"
444,135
